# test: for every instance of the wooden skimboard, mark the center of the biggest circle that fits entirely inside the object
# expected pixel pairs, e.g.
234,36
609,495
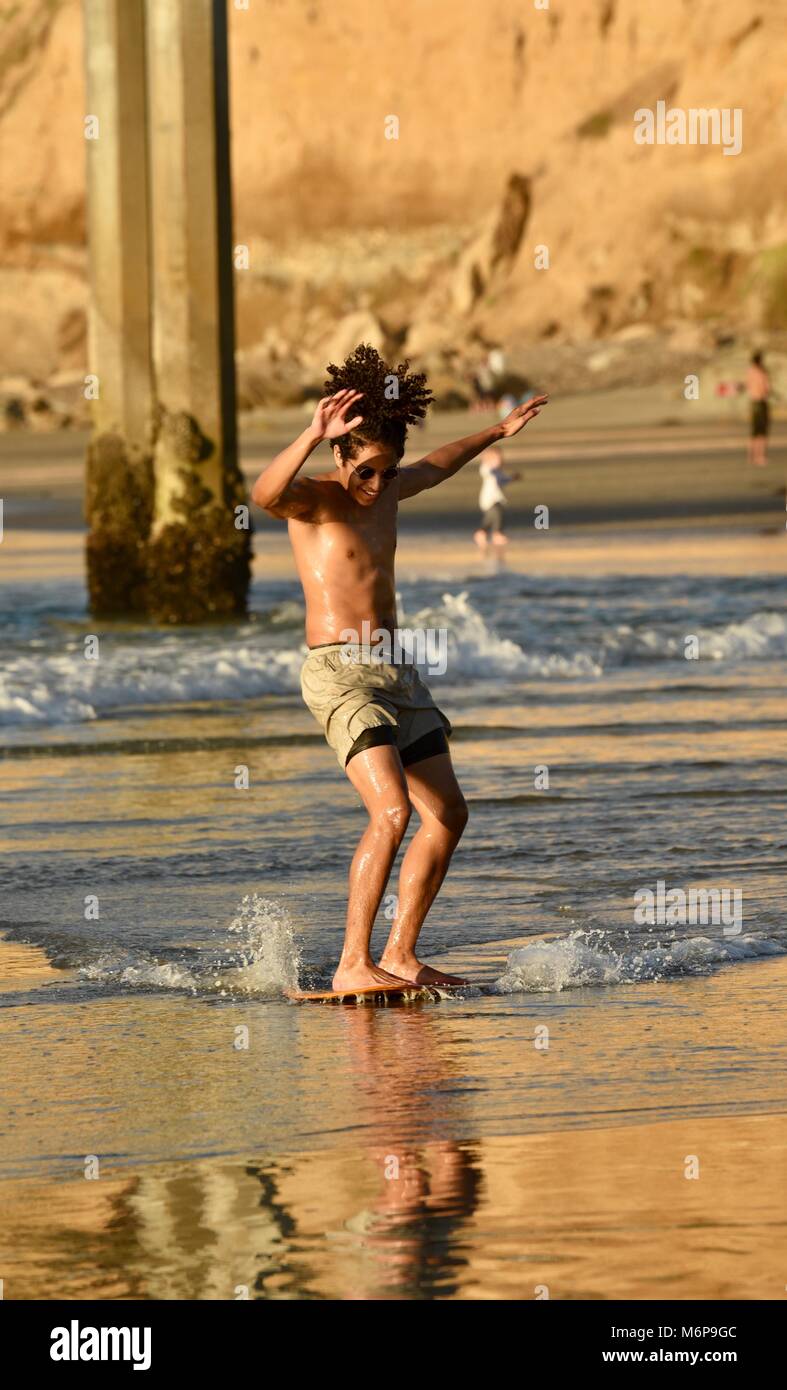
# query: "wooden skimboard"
378,994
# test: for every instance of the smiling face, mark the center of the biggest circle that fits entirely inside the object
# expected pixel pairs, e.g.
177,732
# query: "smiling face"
380,458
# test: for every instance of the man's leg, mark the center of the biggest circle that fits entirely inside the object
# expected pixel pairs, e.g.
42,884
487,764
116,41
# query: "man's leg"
378,777
436,795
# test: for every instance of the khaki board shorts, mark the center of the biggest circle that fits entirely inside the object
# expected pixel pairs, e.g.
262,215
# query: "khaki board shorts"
349,695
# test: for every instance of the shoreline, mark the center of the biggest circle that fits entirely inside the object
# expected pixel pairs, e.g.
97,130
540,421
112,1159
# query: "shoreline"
48,556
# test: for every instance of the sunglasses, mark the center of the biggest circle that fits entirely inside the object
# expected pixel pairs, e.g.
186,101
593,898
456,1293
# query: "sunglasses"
365,472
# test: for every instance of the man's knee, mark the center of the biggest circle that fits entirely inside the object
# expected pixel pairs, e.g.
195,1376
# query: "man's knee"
453,815
458,814
392,819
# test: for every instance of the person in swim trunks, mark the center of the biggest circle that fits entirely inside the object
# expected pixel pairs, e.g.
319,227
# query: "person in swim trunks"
758,386
378,716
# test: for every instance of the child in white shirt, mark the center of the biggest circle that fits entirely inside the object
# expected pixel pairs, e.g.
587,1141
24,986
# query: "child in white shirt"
492,499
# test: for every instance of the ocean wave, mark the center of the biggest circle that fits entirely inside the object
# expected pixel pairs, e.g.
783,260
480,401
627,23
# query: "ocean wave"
583,959
68,689
63,687
761,636
475,651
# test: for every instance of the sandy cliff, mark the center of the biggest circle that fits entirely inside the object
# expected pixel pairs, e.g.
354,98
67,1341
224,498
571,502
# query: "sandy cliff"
515,132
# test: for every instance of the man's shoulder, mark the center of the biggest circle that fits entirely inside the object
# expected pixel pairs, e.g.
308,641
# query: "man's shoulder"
329,496
321,494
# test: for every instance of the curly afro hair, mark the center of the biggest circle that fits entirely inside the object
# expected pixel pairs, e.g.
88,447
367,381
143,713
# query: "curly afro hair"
392,400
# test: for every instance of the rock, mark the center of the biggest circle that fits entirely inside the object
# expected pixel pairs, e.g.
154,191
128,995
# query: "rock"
72,336
428,335
40,414
264,382
14,386
450,391
13,415
494,251
690,228
634,332
599,361
31,302
66,395
344,338
689,337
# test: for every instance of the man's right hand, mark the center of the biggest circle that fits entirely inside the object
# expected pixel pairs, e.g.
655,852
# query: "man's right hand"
277,489
329,418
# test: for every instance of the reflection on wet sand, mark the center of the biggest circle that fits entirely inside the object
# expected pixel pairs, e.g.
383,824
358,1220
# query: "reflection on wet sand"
579,1214
150,1076
23,966
410,1209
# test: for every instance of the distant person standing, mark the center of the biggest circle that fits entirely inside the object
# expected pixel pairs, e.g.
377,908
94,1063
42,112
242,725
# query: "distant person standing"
492,499
758,387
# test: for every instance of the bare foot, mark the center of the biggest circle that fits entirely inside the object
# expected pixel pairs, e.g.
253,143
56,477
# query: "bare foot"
480,539
411,969
364,976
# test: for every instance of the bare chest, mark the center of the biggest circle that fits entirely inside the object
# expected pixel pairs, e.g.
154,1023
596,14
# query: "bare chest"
354,547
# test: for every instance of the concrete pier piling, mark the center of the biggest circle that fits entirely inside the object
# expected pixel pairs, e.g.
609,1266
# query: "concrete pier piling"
174,456
119,482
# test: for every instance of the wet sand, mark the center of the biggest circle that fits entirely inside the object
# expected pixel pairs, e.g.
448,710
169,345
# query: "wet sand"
635,482
588,1214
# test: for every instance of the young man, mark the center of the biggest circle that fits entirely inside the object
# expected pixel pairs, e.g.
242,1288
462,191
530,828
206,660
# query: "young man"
758,386
492,499
379,718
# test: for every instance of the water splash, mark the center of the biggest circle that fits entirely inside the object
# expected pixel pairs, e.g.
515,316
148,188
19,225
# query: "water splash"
269,959
265,962
585,959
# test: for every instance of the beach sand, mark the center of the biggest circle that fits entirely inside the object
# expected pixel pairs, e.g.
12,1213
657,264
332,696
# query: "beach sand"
588,1214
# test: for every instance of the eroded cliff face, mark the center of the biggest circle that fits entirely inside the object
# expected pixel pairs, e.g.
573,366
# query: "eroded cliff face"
420,237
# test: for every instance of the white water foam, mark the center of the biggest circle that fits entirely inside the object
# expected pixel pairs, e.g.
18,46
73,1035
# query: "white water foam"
475,651
763,635
582,960
65,688
265,962
68,689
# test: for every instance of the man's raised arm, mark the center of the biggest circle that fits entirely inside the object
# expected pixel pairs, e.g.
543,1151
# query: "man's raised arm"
445,462
278,490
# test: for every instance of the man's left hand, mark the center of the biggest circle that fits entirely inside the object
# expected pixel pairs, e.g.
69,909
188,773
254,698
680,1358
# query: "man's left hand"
520,415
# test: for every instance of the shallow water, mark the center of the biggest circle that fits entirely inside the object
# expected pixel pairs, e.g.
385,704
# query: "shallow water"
118,797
